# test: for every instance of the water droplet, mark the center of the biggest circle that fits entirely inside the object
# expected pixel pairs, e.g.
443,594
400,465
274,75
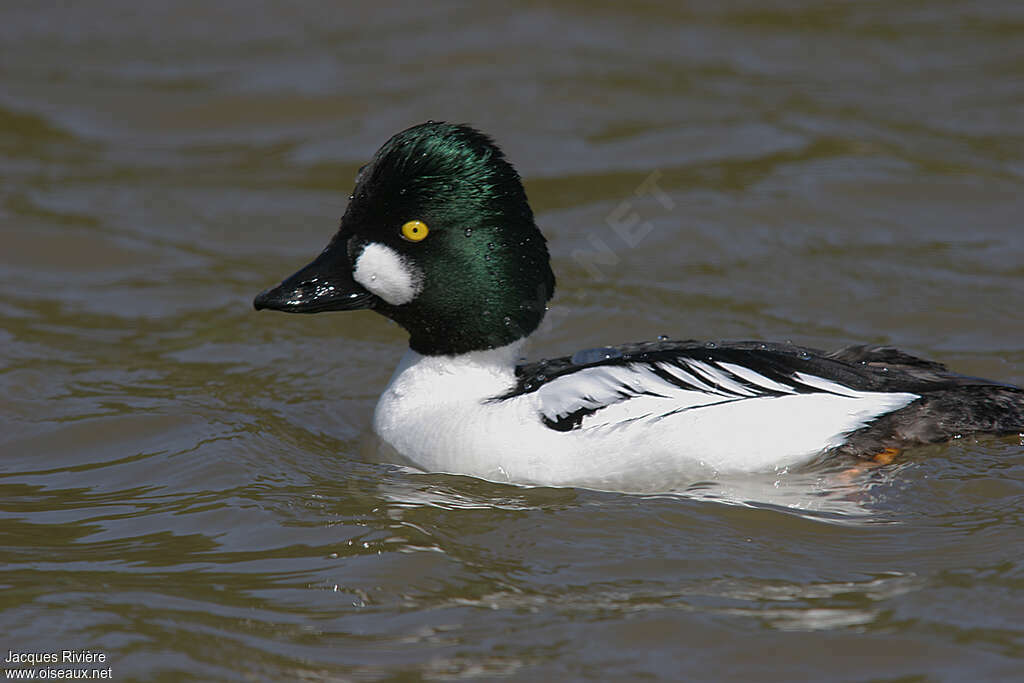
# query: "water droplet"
402,191
762,346
803,355
487,257
710,345
508,321
528,386
351,196
490,245
587,356
469,231
541,377
662,337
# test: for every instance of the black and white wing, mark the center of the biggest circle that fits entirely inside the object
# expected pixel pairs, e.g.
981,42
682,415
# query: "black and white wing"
653,380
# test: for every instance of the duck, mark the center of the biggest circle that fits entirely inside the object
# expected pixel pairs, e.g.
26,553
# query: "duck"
439,237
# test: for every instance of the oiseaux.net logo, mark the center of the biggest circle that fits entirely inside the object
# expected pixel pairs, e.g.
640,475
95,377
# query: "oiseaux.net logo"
56,665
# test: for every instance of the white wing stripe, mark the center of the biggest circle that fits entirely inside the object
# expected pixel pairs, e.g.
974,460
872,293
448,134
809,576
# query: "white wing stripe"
644,380
719,378
827,386
598,387
685,377
755,378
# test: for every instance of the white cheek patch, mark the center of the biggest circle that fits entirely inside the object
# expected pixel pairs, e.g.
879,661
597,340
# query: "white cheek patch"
382,271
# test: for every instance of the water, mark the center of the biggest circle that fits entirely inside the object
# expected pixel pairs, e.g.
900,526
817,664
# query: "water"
183,481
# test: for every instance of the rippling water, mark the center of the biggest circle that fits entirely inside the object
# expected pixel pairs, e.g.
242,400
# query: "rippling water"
183,482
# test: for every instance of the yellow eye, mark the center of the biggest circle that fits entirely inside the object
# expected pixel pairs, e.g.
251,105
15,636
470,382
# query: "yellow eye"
415,231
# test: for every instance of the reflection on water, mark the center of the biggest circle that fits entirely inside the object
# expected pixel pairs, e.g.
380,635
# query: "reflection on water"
183,483
838,493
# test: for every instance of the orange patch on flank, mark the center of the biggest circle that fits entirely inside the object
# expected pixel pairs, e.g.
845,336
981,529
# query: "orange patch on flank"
886,456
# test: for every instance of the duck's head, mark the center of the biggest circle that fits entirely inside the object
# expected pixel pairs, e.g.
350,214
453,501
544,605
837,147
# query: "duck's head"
439,237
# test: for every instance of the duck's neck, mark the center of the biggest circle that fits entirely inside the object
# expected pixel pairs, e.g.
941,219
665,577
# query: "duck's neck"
475,374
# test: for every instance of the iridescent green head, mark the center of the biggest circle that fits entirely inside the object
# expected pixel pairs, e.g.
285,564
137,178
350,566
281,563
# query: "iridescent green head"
438,236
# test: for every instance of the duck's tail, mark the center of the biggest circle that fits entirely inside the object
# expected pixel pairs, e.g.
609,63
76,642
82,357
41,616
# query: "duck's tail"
950,405
940,416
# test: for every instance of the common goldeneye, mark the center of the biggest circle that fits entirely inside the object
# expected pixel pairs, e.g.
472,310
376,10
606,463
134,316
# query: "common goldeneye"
439,237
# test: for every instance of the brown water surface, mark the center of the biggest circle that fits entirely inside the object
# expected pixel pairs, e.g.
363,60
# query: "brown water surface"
182,485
